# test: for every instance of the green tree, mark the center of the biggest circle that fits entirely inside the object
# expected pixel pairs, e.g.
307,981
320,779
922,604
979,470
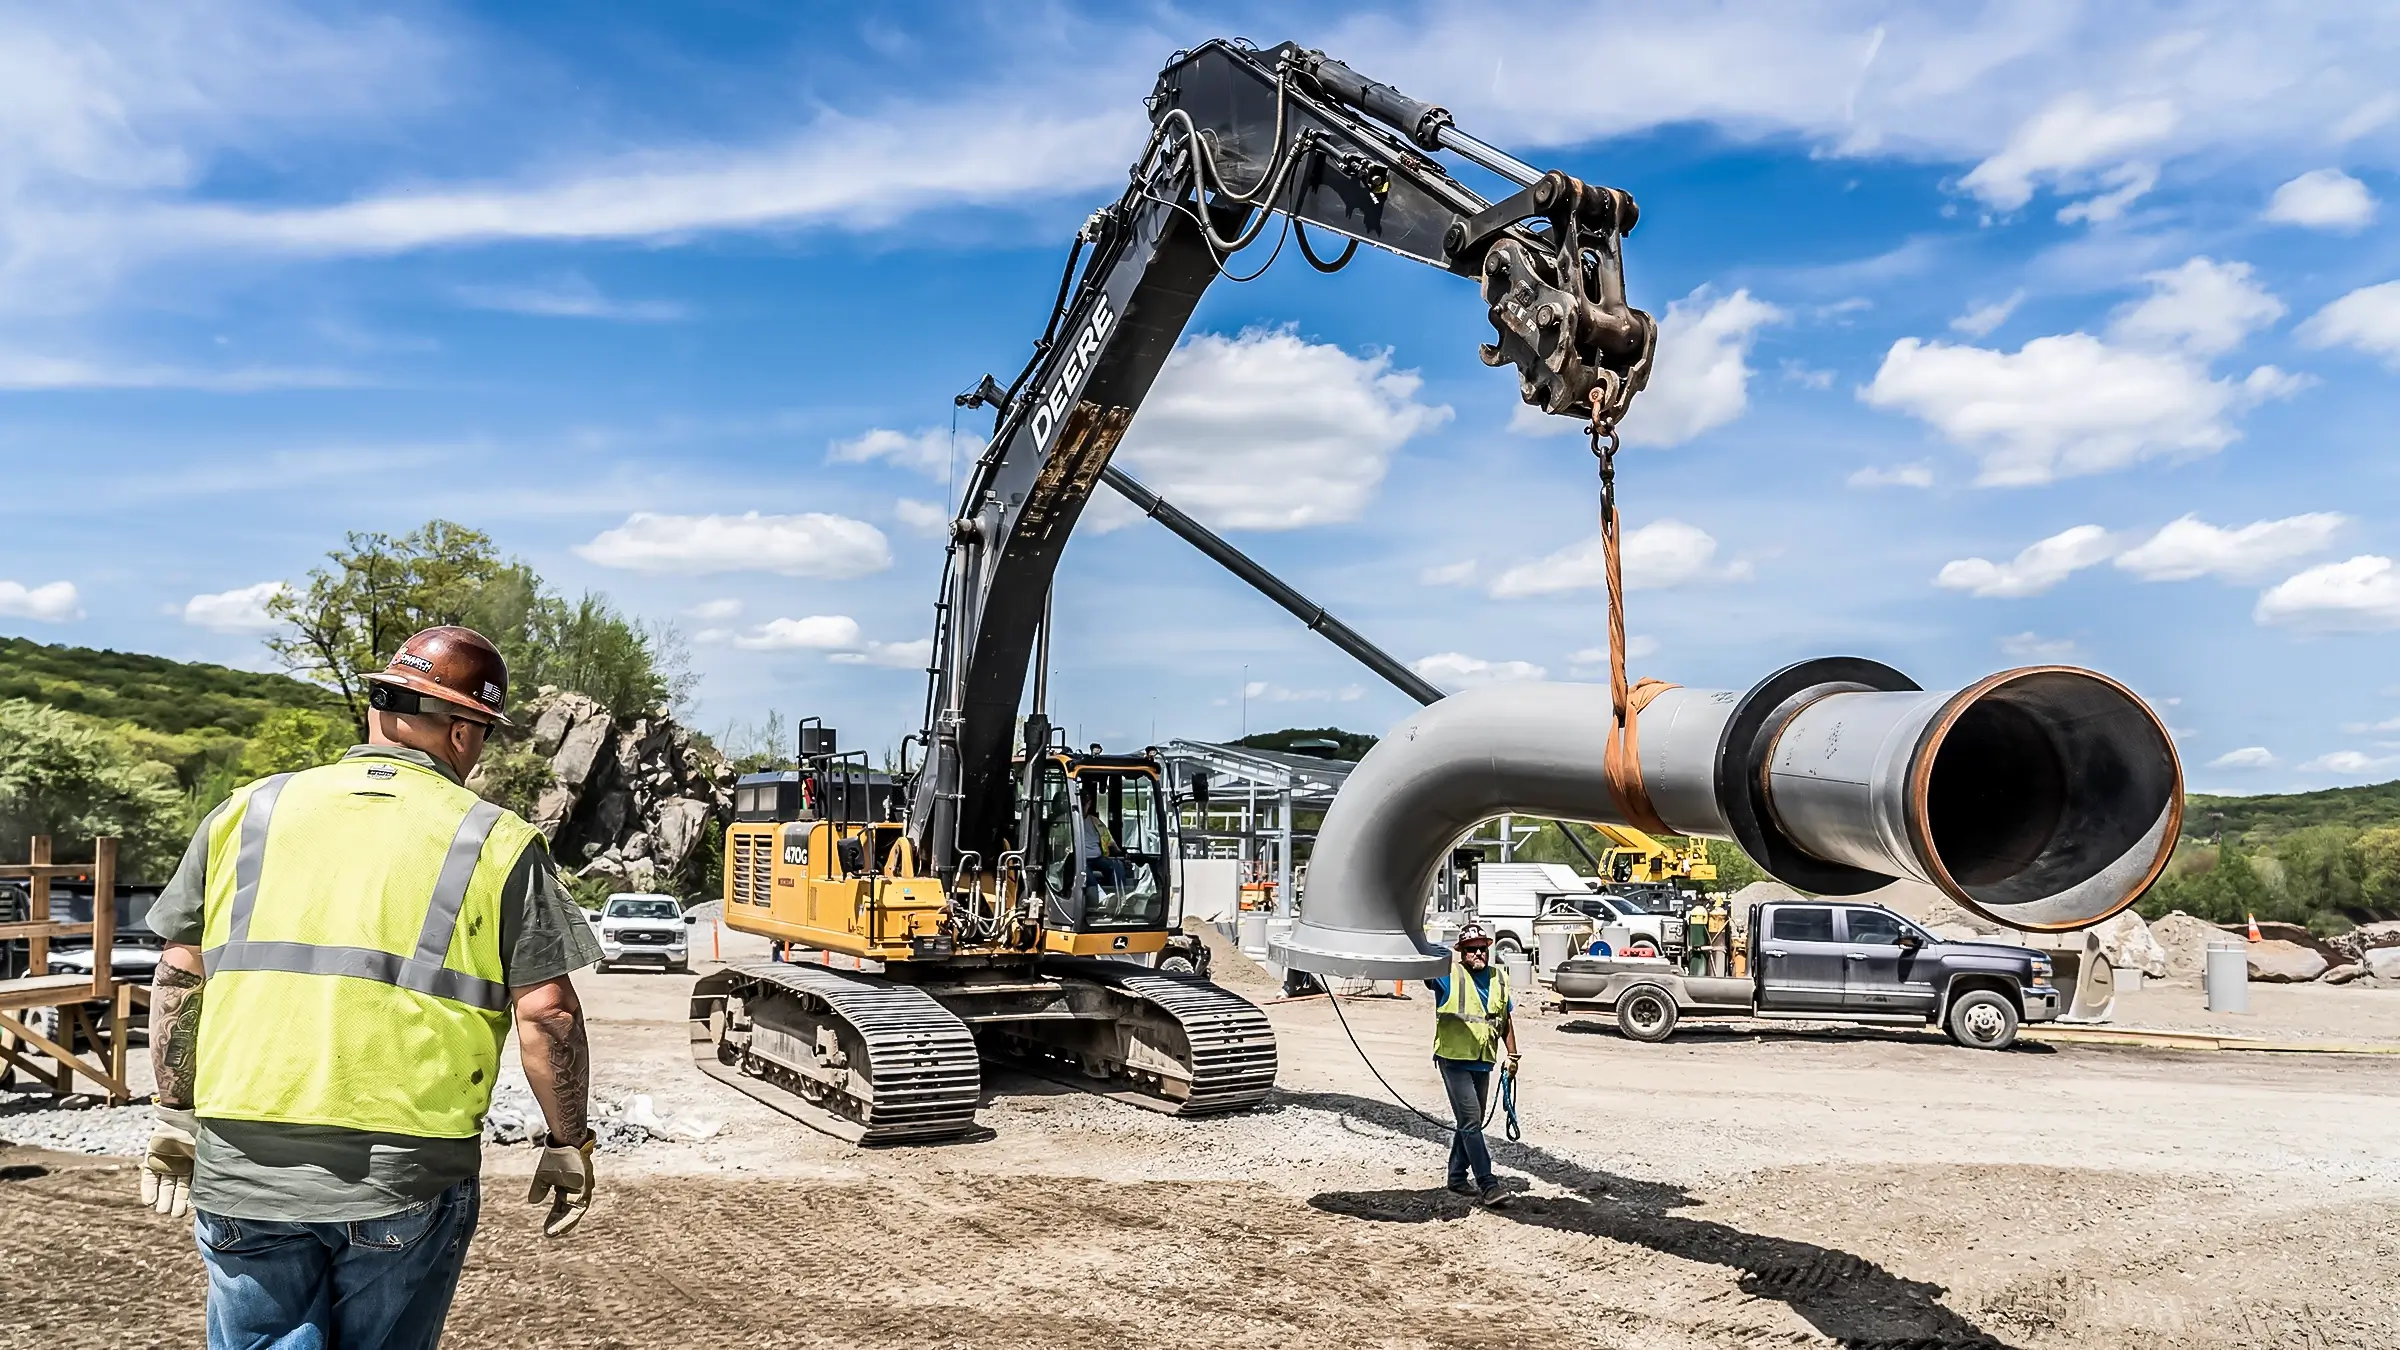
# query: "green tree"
2320,869
377,589
294,739
2378,854
511,775
65,777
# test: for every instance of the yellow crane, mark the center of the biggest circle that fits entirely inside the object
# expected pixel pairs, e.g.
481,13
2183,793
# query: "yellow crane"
1633,855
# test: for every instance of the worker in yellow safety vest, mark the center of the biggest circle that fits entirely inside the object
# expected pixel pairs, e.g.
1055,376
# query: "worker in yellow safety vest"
345,946
1472,1018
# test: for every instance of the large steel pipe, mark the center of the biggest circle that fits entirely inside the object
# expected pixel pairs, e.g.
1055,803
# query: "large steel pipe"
2047,798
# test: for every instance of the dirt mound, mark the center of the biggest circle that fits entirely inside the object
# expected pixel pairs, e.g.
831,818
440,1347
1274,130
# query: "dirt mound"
1226,964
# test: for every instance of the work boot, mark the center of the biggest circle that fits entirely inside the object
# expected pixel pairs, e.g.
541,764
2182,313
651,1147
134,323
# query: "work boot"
1495,1196
1464,1187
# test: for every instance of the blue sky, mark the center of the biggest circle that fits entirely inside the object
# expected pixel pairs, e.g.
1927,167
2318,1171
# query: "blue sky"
2034,332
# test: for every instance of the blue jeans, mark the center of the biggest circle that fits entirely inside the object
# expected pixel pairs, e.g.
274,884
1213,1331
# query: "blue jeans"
1469,1086
376,1284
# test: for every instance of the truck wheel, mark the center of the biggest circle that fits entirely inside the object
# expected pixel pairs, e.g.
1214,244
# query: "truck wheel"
1177,965
1646,1013
1983,1020
1505,946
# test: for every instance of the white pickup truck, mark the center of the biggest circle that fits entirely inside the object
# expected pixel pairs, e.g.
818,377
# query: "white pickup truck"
1509,896
644,930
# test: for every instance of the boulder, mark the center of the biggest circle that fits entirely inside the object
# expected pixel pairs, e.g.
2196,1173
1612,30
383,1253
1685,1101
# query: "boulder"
551,809
2345,974
2383,963
2127,943
1942,914
557,716
2185,941
579,752
2279,962
677,829
2365,938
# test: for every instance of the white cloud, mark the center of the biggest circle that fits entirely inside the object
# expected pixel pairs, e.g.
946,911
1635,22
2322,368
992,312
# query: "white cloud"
2039,567
1448,574
913,654
2350,762
56,602
810,545
572,296
2361,594
1702,376
2073,134
1262,691
1917,475
1589,661
1268,431
928,518
2323,199
817,632
27,370
2205,307
841,170
2126,183
1457,670
1660,554
2248,757
2067,405
241,610
2190,547
1807,376
1981,320
2035,647
930,452
716,611
2367,319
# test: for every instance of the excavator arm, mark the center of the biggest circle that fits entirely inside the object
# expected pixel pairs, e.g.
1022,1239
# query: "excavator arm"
1239,138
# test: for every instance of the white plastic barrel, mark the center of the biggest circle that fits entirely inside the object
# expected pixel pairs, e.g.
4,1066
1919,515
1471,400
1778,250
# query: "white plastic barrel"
1254,932
2227,978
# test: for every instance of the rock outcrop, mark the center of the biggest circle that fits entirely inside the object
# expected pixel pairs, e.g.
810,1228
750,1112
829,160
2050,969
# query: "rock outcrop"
629,802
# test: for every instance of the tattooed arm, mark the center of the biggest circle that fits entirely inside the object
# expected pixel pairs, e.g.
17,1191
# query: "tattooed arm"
175,1024
558,1061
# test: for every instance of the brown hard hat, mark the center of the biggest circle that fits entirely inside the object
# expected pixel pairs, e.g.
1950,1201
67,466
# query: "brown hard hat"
457,665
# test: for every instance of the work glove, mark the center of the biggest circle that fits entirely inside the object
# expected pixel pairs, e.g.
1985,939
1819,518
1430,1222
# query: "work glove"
563,1176
167,1167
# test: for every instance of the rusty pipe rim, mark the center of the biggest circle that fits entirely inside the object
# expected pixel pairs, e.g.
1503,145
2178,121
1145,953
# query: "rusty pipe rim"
1920,791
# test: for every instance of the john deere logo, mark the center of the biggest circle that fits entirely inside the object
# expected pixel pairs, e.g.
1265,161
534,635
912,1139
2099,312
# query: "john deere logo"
1118,945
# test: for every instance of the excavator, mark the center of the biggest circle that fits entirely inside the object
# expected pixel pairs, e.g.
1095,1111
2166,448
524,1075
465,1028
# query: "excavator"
1005,894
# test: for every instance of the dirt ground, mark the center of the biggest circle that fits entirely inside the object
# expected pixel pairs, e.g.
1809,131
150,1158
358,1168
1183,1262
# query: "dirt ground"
1738,1186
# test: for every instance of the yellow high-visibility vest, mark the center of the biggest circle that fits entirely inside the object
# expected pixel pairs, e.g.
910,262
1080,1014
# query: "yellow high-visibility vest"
351,938
1467,1024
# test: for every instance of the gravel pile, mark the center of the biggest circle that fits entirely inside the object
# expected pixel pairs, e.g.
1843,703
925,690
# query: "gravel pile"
2185,941
83,1125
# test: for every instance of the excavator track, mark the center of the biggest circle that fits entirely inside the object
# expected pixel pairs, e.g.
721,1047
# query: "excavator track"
859,1058
1221,1045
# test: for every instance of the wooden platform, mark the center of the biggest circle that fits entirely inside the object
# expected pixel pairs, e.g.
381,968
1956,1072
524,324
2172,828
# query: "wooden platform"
80,1029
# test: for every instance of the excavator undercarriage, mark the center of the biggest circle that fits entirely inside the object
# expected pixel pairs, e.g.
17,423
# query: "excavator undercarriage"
875,1060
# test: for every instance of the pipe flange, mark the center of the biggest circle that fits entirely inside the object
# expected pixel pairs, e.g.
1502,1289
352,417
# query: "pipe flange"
1742,751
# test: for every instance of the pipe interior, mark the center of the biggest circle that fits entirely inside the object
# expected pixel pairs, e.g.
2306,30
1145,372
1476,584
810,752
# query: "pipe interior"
2043,783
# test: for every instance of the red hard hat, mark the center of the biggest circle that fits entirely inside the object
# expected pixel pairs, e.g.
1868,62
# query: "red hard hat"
457,665
1472,934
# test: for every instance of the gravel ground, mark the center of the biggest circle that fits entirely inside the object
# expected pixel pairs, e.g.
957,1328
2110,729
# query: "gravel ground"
1737,1186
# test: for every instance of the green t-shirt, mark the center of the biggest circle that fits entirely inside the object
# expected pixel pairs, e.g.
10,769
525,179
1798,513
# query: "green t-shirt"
327,1174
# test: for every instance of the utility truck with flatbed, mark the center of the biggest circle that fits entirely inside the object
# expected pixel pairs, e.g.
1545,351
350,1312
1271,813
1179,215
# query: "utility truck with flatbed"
1829,961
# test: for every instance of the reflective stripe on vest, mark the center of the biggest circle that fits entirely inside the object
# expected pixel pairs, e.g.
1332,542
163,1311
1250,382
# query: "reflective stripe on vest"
351,937
1466,1025
423,972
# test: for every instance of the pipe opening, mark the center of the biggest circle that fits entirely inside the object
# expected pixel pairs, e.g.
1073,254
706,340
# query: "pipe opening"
2046,794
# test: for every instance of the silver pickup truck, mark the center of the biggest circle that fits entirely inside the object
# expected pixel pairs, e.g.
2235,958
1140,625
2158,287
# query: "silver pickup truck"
1832,961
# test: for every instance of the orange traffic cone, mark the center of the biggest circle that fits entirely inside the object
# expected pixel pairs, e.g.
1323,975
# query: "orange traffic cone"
2254,928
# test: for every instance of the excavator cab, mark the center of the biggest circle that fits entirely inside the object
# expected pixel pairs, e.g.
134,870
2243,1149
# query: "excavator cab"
1103,848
